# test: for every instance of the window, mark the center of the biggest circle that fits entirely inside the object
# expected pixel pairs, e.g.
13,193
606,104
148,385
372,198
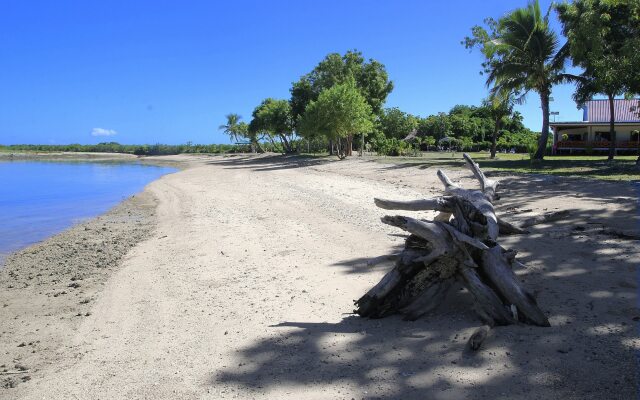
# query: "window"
576,137
602,136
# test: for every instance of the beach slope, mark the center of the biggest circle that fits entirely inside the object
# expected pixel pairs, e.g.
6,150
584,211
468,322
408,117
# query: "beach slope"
245,288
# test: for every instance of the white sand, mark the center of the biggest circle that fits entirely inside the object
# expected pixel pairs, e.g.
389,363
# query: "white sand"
244,290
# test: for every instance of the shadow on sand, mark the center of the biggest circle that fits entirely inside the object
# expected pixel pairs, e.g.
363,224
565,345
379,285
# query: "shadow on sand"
586,283
272,162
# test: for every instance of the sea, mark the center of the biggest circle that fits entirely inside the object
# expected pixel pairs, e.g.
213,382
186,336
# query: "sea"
39,199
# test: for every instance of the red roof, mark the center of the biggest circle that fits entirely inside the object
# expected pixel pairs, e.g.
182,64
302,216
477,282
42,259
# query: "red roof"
624,110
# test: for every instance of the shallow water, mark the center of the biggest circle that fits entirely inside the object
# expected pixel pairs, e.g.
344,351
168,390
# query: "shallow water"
40,199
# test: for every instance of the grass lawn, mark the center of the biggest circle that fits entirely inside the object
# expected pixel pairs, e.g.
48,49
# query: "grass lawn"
597,167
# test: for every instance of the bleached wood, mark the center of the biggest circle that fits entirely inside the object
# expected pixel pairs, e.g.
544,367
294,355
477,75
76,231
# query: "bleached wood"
498,271
476,197
487,186
382,259
435,204
432,232
460,243
485,297
507,228
428,300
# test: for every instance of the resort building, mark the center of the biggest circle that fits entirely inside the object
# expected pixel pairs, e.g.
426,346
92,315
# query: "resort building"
592,133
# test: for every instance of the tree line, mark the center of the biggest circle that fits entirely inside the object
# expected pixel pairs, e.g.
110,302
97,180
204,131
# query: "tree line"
339,105
523,54
141,150
342,99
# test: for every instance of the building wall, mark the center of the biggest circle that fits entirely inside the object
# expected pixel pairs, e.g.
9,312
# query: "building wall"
574,131
623,133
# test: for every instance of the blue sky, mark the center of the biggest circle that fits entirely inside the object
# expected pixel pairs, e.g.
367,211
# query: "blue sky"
168,71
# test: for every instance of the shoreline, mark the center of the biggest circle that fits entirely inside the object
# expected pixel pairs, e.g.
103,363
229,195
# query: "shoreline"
163,161
80,260
92,158
49,287
240,284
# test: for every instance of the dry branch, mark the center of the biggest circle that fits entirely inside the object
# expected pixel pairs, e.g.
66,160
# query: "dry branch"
459,244
507,228
477,198
498,271
436,204
382,259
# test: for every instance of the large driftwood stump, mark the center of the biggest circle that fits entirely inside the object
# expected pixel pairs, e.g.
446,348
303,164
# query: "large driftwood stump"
460,244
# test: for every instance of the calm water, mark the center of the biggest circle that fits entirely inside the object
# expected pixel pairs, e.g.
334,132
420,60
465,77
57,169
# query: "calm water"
39,199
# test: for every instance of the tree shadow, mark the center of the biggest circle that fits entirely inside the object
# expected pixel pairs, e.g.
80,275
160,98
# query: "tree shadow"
518,193
420,163
391,358
584,280
272,162
567,167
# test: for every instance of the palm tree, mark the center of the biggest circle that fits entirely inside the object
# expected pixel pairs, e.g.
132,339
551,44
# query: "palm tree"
604,40
232,127
500,106
523,54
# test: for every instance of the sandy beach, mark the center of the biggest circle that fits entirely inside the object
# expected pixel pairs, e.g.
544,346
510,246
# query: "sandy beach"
235,278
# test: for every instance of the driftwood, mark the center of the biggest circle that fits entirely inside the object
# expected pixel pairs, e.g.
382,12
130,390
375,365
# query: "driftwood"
460,244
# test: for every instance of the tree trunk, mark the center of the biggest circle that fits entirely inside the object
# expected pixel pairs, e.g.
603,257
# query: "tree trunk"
612,128
341,145
494,138
286,146
349,148
273,143
544,135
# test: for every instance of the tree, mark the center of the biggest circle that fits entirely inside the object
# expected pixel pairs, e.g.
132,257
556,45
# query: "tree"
338,114
604,40
397,124
233,127
273,118
500,109
522,54
438,126
370,77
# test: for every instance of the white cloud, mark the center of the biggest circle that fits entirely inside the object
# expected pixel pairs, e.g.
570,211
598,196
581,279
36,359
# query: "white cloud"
103,132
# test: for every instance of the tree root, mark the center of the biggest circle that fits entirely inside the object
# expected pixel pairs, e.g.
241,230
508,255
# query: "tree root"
460,244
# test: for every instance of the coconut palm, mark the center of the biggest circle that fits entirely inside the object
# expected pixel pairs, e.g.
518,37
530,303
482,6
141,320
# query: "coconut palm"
233,126
523,54
500,106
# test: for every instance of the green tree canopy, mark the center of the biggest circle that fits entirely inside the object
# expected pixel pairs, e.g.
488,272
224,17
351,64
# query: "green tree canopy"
370,77
473,124
604,40
500,108
522,53
438,126
395,123
233,127
273,118
338,113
